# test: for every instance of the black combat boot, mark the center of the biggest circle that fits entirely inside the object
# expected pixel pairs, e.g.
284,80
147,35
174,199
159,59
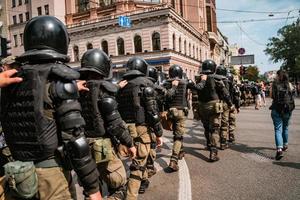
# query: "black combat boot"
181,155
231,138
144,185
213,156
223,144
173,166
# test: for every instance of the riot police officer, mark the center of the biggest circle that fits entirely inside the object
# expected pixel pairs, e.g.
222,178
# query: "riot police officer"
222,71
210,90
138,108
104,125
177,103
35,137
235,95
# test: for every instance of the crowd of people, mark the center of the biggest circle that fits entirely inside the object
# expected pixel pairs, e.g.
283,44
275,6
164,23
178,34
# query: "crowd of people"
56,119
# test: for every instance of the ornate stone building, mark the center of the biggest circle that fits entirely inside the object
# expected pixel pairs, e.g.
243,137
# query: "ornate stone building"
164,32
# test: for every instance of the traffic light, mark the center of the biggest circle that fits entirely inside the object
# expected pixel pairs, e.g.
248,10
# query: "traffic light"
242,72
5,47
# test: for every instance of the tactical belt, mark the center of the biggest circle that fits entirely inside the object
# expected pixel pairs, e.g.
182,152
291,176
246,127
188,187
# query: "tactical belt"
47,163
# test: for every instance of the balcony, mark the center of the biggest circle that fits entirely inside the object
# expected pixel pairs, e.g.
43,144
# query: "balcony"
213,38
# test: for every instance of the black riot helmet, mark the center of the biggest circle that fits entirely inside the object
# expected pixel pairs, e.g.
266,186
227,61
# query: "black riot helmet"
46,33
175,71
153,73
96,60
208,67
139,64
221,70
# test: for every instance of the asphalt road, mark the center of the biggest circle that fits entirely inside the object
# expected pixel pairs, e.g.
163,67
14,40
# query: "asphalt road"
246,171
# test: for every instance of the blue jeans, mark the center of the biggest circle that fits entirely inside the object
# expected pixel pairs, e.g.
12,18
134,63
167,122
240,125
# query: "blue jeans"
281,124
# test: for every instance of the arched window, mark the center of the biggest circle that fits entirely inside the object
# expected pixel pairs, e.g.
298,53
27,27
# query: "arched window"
120,44
179,43
156,41
174,42
138,44
89,45
185,47
76,53
193,51
104,46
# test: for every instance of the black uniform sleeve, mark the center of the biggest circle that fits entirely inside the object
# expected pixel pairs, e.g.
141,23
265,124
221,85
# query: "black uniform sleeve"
67,113
198,86
115,126
152,113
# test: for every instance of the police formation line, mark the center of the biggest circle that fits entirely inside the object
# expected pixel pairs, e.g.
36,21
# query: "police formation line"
51,129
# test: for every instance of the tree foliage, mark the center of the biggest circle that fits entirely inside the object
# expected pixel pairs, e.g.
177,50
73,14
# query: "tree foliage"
286,48
252,73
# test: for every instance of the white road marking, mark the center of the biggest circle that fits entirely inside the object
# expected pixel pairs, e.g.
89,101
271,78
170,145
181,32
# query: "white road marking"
185,189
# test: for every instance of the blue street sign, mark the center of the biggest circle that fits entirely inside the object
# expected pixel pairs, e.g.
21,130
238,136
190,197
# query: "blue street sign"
125,21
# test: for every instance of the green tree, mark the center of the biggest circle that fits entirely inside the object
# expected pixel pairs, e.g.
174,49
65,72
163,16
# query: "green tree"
252,73
286,48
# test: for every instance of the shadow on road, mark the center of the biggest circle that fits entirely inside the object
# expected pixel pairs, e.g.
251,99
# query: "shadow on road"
288,164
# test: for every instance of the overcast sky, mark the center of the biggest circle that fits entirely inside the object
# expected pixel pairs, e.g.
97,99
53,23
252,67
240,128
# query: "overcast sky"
258,33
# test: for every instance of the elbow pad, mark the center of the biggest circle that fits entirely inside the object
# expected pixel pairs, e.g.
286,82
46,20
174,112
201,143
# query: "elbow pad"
85,167
115,125
64,97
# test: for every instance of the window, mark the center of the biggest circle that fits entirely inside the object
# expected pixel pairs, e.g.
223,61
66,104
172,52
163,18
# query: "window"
104,46
156,41
82,5
21,18
27,16
13,3
20,2
208,17
173,3
16,40
120,44
46,9
39,9
185,47
26,1
190,51
197,53
14,19
138,44
181,7
193,51
89,45
76,53
21,38
174,42
179,42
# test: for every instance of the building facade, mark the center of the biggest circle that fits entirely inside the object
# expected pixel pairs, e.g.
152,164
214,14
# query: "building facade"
3,19
164,32
20,11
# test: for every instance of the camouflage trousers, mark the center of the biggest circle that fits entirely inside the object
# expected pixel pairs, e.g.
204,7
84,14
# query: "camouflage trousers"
178,118
138,170
211,120
232,122
224,123
53,183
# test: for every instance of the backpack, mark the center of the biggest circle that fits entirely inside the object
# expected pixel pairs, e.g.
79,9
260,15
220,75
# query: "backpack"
255,90
284,98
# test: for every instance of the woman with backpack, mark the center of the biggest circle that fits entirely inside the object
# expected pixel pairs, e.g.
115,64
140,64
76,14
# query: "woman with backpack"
282,106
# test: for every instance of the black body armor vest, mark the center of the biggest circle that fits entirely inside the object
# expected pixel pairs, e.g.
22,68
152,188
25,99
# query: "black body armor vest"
209,92
29,133
130,103
180,99
90,111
